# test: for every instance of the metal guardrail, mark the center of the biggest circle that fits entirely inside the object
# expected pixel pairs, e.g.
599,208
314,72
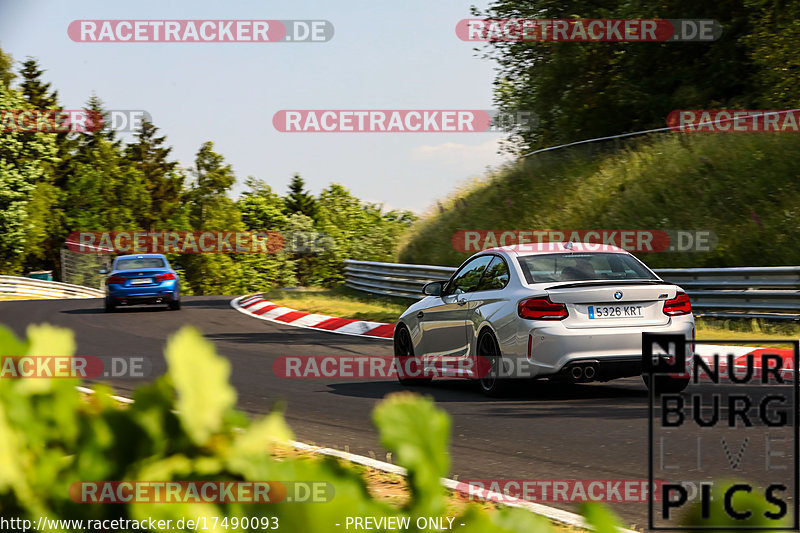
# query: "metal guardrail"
15,286
393,279
739,292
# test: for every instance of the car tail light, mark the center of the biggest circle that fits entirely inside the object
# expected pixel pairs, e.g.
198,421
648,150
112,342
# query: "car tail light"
680,305
542,309
165,277
115,279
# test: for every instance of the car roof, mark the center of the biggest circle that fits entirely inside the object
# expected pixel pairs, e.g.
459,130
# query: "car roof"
536,248
141,256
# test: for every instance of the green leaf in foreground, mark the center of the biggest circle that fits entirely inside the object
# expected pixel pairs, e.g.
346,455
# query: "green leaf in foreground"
600,518
200,378
419,435
719,518
184,427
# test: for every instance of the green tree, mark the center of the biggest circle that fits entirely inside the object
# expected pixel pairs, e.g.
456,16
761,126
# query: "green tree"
47,215
262,209
356,230
308,268
163,180
773,46
23,165
210,208
6,69
299,200
103,191
35,90
594,89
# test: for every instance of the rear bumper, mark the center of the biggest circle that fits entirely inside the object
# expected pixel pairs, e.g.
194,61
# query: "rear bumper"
143,299
159,294
614,352
164,292
604,369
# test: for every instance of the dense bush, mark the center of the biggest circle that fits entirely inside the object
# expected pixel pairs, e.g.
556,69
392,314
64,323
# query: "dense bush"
742,186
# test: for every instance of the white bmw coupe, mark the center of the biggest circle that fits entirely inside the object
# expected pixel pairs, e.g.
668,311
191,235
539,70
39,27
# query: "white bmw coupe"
568,311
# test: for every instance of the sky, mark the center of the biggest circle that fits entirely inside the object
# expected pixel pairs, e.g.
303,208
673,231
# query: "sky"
398,55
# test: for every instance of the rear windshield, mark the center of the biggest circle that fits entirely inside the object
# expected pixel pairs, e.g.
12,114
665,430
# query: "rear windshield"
582,267
137,264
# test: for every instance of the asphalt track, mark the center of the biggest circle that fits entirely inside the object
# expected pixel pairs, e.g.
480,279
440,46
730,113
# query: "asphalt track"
542,431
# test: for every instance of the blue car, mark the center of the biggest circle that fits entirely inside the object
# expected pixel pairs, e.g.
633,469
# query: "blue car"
142,279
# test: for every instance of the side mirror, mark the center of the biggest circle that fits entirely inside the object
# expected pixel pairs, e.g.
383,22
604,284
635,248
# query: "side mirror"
434,288
103,271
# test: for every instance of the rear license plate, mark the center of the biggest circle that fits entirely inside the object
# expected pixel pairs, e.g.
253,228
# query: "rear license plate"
615,311
141,281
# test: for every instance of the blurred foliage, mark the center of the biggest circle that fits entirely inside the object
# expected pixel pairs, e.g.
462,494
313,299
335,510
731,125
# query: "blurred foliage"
184,426
761,513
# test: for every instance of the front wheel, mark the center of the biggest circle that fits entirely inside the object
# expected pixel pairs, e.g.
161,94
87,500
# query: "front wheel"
666,384
404,357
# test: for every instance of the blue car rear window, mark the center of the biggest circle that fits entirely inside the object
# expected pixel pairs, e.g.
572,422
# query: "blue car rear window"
136,264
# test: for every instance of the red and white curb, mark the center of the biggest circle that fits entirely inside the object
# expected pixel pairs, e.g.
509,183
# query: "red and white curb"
257,307
740,353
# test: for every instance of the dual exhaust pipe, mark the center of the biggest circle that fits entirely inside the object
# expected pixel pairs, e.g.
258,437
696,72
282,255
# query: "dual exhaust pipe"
583,372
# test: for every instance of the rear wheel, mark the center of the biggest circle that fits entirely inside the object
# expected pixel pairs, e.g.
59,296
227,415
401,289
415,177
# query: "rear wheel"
175,305
403,354
666,384
110,307
491,383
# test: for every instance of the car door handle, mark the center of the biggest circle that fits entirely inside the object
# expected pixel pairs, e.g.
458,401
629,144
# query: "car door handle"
461,302
420,314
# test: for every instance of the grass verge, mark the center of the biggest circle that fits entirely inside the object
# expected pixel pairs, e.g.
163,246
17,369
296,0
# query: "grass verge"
742,187
341,302
748,329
